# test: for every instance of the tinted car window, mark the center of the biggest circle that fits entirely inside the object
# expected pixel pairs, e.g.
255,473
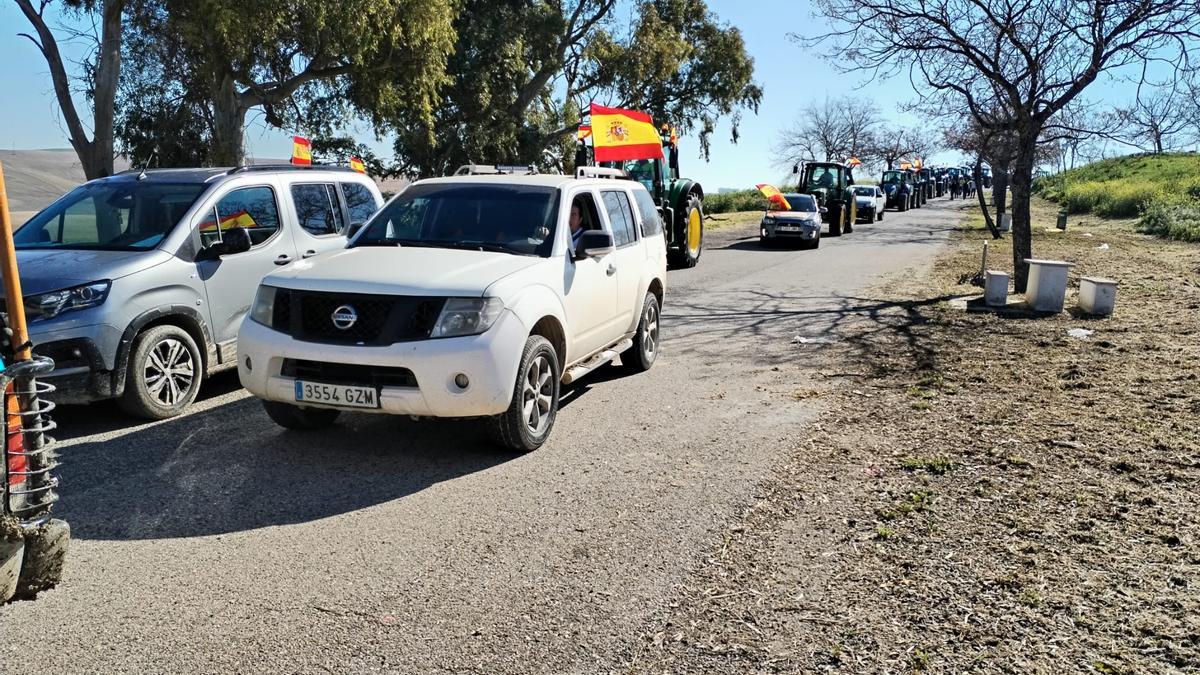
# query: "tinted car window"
253,208
801,203
111,216
513,218
620,214
360,202
317,208
651,222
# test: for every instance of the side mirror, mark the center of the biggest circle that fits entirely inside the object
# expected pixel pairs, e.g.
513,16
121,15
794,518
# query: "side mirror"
795,168
354,228
594,244
235,240
823,210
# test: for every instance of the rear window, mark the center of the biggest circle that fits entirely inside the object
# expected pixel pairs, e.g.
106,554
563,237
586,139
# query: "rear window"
651,222
360,202
317,208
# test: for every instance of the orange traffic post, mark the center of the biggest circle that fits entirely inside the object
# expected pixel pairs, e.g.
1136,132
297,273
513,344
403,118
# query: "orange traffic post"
14,300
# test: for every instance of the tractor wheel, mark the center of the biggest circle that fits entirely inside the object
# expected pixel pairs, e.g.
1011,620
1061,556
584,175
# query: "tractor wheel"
879,215
851,218
902,205
691,235
835,220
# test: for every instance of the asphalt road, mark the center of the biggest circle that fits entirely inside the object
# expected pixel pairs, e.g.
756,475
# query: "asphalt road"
218,542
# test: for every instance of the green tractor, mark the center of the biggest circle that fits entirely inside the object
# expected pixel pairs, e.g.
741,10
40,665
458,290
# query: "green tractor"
830,184
680,200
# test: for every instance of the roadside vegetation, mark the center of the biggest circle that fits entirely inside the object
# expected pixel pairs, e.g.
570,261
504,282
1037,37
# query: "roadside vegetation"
1162,191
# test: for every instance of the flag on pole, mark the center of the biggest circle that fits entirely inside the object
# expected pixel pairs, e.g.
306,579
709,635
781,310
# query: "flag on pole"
357,165
619,135
301,151
585,130
905,165
854,161
774,196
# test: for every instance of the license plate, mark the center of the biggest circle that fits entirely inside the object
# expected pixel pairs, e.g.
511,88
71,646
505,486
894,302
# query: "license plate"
788,228
337,394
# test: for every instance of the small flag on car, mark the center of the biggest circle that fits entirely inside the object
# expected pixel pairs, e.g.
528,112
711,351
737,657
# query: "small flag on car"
357,165
301,151
774,196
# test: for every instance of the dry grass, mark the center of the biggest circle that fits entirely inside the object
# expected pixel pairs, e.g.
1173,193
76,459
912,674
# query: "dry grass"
1036,515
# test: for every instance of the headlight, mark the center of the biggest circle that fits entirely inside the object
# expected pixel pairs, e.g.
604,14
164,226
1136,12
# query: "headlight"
263,310
768,220
50,305
467,316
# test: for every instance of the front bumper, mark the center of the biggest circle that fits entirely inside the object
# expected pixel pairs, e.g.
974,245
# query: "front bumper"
84,361
490,361
801,231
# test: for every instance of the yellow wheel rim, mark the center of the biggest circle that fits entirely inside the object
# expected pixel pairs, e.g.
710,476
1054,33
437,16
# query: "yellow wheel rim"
694,232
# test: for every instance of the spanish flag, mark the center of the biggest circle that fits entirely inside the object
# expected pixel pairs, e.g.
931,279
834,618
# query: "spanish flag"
584,131
301,151
357,165
774,196
618,135
853,162
236,219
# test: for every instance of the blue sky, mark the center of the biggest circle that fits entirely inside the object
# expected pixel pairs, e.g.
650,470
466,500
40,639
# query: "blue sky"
790,77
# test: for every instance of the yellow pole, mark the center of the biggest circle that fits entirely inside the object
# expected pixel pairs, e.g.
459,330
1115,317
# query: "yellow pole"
14,300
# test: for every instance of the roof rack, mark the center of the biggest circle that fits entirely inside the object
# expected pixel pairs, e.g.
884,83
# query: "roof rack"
496,170
246,168
600,172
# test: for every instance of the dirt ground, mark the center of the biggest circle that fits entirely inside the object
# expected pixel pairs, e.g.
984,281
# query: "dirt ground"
983,493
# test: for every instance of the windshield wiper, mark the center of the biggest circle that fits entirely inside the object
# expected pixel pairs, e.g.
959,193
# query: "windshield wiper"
385,241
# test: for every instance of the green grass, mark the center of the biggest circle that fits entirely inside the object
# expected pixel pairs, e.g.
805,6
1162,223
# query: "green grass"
936,465
1163,190
742,200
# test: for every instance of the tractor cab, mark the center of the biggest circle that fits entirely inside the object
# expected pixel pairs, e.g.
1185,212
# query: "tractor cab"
830,184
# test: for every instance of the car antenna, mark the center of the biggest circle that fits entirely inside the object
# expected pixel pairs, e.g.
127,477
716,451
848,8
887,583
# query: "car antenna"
142,174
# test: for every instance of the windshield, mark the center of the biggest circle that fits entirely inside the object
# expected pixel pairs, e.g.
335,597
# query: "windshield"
822,176
115,216
641,170
893,176
512,218
801,203
864,191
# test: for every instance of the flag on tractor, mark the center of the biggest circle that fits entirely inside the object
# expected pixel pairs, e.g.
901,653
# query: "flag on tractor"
905,165
619,135
774,196
301,151
357,165
585,130
853,161
918,164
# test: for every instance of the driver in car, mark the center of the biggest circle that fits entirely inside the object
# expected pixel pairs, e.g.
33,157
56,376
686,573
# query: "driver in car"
576,221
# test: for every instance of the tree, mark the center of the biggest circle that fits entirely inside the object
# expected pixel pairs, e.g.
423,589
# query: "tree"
1026,59
1157,120
834,130
522,73
100,82
896,143
308,64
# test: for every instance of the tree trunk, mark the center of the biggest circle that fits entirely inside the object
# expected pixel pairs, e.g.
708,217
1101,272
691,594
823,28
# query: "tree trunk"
229,120
987,216
1000,189
1022,182
108,70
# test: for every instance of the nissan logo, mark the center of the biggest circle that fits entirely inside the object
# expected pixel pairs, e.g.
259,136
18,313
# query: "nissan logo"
344,317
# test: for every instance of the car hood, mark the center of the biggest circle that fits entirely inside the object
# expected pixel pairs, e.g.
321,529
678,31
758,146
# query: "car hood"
399,270
47,270
796,216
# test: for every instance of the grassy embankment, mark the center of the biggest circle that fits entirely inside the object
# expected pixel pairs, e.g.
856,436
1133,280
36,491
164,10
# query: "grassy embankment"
1161,191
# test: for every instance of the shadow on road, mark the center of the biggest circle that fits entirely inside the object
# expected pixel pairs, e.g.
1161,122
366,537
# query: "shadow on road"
229,469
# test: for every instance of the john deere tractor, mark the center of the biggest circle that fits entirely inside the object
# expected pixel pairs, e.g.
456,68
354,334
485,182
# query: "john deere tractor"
830,184
680,200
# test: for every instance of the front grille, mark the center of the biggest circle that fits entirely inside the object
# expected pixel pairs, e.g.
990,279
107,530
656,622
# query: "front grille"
348,374
381,319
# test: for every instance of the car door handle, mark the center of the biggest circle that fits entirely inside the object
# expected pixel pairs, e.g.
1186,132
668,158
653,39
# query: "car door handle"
283,259
611,270
309,253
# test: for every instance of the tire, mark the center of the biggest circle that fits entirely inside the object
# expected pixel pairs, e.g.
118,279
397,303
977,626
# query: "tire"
45,552
902,205
689,251
879,215
512,428
835,221
644,352
849,226
297,418
163,374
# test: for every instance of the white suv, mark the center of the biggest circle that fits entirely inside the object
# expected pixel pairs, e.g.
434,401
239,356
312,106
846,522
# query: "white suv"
464,297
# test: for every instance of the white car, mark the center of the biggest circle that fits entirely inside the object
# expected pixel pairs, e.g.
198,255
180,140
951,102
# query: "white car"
464,297
870,200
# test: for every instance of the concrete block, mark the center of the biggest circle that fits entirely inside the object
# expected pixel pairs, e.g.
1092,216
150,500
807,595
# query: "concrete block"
1097,296
1046,290
995,288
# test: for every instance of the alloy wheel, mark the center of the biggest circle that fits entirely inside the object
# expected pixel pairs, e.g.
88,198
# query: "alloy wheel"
538,393
169,372
650,332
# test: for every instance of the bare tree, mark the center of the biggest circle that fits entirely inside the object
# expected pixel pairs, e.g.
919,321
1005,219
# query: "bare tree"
1158,120
95,153
834,130
896,143
1026,59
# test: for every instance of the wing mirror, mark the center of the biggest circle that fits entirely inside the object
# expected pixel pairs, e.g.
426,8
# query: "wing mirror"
594,244
234,240
823,210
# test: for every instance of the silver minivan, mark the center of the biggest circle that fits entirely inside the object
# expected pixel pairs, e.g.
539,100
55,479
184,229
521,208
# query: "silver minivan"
136,284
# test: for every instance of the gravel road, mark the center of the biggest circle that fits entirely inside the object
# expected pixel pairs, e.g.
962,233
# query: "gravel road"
218,542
